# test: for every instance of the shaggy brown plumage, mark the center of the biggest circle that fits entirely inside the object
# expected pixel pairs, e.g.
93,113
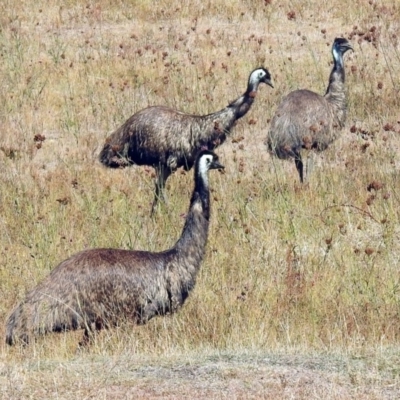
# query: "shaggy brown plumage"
307,120
168,139
100,287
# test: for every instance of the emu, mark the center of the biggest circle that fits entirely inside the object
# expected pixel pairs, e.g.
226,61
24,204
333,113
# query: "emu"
307,120
167,139
98,288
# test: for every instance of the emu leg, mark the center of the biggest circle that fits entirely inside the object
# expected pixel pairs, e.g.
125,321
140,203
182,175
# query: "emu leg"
299,166
162,174
309,164
89,334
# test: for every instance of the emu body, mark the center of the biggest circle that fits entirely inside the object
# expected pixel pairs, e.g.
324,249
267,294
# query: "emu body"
168,139
307,120
99,288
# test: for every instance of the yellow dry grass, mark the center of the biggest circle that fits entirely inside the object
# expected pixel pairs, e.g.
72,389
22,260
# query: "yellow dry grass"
299,293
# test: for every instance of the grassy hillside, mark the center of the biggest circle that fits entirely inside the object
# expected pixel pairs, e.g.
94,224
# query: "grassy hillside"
289,269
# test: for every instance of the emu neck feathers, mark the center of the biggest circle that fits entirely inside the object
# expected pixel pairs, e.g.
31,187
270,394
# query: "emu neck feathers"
194,235
337,76
335,93
242,105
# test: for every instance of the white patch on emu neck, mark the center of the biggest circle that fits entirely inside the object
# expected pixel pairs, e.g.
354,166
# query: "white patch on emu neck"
204,165
256,76
338,56
197,207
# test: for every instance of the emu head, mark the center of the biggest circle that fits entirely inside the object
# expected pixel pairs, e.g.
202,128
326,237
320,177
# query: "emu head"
260,75
339,47
207,160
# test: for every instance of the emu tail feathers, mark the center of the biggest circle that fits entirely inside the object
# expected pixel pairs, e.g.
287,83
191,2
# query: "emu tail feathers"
17,326
112,158
114,153
31,319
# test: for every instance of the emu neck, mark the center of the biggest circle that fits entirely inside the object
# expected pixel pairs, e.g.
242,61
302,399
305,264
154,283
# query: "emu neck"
194,235
242,105
335,93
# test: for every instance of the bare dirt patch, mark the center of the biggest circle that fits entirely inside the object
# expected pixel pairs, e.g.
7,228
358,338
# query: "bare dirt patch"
214,375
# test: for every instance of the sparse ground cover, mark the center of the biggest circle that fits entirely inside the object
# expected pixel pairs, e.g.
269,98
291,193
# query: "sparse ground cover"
299,293
206,375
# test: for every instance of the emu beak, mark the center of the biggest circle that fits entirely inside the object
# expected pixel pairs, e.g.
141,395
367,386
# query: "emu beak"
216,165
269,83
348,46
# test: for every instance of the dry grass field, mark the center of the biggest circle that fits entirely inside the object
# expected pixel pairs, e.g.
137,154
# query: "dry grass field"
299,292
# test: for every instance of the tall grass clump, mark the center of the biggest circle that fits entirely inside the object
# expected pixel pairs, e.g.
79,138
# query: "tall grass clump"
314,267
